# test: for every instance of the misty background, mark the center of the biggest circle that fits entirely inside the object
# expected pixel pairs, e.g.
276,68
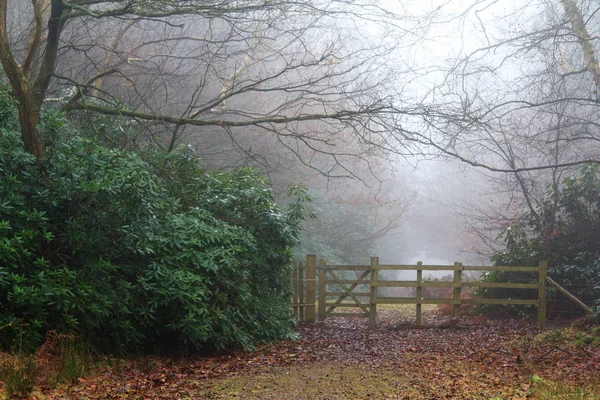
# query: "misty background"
420,130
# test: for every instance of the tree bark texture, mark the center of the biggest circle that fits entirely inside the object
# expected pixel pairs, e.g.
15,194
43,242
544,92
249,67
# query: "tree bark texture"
583,37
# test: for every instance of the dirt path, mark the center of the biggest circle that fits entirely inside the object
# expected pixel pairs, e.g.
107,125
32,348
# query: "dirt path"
342,359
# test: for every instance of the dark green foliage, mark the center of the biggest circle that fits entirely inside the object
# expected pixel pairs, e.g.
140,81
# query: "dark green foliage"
8,109
137,251
566,231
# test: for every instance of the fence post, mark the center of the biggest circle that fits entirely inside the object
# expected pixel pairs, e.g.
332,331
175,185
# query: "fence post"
295,299
419,291
457,290
374,279
311,287
322,289
543,266
301,293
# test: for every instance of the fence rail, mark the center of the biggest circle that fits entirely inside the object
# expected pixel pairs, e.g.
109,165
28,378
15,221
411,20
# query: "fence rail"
357,286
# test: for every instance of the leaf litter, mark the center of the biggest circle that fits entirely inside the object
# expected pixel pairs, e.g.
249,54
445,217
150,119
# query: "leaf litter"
473,358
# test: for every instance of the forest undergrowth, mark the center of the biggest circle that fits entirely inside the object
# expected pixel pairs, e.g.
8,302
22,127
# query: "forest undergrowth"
472,358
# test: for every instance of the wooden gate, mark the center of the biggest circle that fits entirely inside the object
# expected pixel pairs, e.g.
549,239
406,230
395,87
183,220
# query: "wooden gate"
344,286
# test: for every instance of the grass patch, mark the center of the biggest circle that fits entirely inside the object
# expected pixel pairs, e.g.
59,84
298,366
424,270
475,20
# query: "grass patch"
74,362
406,308
336,381
60,359
414,379
307,382
547,389
19,374
571,336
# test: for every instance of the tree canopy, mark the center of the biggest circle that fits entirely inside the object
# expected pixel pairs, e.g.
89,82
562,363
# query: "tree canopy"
300,76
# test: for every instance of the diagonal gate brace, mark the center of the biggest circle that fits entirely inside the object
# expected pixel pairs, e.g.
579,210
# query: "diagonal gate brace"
348,292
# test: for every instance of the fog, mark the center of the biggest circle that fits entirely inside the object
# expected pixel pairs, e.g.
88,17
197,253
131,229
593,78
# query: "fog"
435,230
420,129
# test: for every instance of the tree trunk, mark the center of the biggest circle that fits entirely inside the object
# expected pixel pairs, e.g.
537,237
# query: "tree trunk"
29,133
584,39
28,113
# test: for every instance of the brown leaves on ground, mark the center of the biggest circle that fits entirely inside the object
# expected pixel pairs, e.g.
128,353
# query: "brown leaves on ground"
342,359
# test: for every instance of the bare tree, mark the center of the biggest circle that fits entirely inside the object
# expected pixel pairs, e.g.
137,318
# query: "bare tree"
309,75
520,98
527,79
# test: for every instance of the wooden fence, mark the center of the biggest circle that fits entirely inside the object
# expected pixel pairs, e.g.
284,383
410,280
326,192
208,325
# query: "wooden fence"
304,283
367,277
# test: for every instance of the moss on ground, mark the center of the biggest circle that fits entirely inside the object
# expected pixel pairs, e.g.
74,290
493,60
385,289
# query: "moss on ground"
571,336
548,389
337,382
